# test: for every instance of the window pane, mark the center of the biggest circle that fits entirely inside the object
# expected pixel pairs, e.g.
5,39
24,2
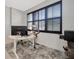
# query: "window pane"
41,25
53,11
56,25
30,17
42,14
49,25
53,25
56,10
49,12
36,16
29,25
36,24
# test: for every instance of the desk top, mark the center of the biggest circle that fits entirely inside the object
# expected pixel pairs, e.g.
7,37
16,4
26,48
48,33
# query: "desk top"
17,37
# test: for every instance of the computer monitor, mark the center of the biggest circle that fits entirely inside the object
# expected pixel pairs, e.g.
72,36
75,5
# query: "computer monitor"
21,29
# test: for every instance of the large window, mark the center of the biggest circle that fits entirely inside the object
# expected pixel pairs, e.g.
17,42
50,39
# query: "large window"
47,19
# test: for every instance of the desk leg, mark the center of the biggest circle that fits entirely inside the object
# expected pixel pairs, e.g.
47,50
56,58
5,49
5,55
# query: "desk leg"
15,43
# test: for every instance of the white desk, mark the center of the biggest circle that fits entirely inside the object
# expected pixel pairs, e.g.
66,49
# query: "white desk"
16,38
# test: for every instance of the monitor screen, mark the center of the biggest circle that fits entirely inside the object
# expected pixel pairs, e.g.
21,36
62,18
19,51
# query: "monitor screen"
19,29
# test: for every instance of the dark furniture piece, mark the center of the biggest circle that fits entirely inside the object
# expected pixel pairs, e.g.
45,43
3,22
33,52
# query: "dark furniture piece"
21,29
69,37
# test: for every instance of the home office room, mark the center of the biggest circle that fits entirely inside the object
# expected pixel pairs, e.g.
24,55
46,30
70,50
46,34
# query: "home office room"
39,29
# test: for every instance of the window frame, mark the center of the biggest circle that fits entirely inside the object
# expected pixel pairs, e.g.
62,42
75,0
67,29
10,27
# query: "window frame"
56,32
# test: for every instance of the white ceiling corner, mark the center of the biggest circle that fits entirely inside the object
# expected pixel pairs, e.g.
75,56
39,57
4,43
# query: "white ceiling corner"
22,4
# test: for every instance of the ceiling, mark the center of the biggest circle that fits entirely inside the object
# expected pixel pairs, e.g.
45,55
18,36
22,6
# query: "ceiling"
22,4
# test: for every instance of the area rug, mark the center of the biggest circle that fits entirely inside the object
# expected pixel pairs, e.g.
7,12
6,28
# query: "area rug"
26,51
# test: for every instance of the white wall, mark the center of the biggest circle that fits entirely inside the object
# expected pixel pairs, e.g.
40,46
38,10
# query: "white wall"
18,18
7,22
68,14
13,17
52,40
